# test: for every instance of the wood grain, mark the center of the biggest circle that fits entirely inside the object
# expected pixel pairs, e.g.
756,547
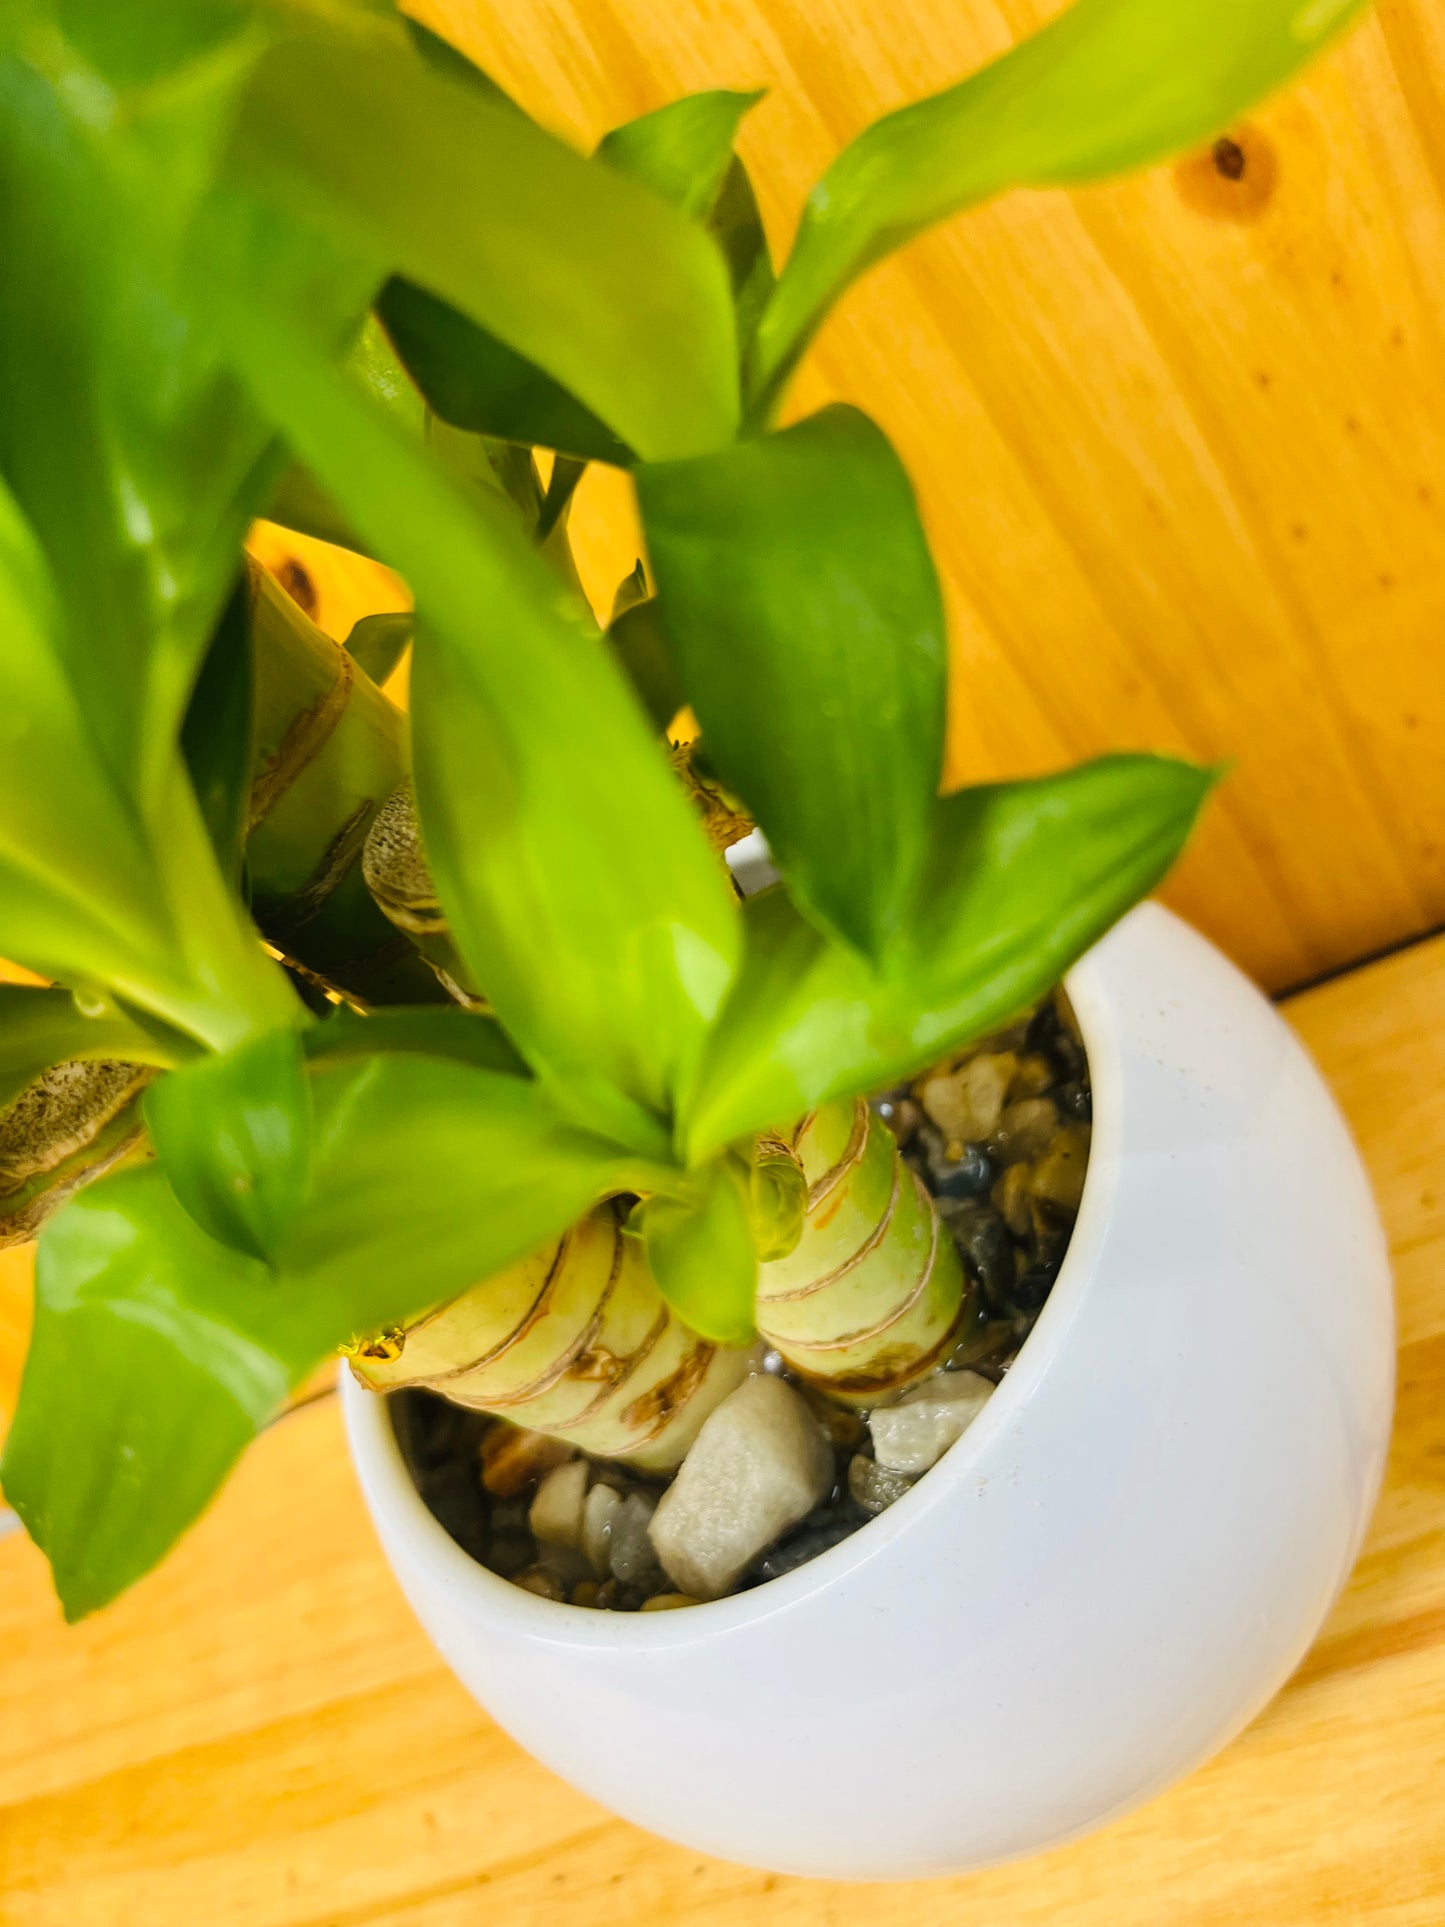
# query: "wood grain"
259,1736
1179,441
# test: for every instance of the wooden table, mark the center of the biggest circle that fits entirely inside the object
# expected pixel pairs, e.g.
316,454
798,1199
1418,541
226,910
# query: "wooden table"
259,1734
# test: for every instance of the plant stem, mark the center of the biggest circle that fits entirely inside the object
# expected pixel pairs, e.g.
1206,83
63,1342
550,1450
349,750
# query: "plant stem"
329,749
576,1341
874,1290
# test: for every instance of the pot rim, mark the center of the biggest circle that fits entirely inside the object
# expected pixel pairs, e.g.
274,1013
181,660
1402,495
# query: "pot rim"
415,1531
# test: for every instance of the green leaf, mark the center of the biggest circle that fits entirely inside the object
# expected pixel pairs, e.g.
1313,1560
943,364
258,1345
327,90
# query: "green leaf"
1021,878
423,1030
618,297
567,472
701,1252
299,502
682,151
40,1027
551,822
154,1361
158,1353
132,463
476,382
452,62
378,643
1107,85
234,1137
218,732
640,649
87,893
800,601
737,225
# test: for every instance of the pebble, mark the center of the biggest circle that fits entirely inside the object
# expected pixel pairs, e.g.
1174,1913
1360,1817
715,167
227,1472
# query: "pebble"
969,1175
1036,1074
901,1113
804,1544
1024,1130
507,1556
545,1584
758,1466
915,1433
514,1458
874,1486
1012,1198
556,1513
1058,1177
598,1512
630,1551
966,1103
982,1238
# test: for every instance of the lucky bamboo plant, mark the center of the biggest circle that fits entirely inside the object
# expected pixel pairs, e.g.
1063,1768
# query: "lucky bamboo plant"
446,1037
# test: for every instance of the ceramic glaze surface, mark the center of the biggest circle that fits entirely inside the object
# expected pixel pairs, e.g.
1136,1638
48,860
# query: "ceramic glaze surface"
1115,1568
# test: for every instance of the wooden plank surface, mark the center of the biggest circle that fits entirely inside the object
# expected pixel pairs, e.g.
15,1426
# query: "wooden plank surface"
1181,441
259,1736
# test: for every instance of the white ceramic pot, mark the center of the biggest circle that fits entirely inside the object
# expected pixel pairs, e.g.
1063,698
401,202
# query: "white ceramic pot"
1112,1571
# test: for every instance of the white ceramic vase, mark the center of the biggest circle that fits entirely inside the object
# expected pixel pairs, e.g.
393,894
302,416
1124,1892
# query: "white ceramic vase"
1115,1568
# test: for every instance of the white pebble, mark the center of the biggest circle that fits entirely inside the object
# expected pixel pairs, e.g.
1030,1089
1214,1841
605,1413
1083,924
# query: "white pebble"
916,1432
758,1466
630,1553
597,1516
556,1513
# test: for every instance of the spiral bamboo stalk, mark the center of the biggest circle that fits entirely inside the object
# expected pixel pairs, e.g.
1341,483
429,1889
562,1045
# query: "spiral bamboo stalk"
872,1294
76,1121
329,749
575,1341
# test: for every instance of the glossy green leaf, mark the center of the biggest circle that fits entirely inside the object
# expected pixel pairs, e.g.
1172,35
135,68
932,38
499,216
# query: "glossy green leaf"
86,892
682,151
737,226
1019,880
701,1252
802,609
378,643
618,297
475,381
40,1027
158,1353
551,822
423,1030
1107,85
106,381
233,1133
641,650
218,731
156,1359
133,461
452,62
567,472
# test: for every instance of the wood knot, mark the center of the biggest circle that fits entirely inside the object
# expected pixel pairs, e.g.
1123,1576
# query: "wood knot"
1233,179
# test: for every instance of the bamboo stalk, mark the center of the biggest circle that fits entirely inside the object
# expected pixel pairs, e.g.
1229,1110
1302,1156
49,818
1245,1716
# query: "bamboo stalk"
397,874
870,1297
75,1122
329,749
576,1341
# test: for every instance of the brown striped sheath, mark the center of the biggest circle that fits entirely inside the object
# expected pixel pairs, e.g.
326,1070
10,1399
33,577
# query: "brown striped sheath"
575,1340
873,1292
